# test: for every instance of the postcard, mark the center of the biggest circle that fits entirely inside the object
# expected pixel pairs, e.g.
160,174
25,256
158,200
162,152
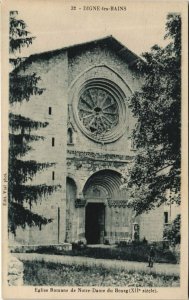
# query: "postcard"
94,143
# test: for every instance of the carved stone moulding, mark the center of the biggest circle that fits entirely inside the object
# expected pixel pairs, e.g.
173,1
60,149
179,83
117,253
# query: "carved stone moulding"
80,203
117,203
100,110
110,203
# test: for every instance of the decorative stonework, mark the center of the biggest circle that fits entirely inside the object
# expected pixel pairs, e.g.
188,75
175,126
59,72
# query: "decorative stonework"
117,203
94,161
99,110
98,156
96,192
80,203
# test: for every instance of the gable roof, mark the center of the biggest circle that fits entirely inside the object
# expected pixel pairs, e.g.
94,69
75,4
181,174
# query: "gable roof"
130,57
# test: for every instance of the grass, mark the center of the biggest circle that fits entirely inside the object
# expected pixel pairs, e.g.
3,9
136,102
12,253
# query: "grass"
47,273
130,253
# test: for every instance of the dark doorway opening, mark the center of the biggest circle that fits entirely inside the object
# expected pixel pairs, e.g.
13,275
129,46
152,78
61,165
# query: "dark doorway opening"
94,223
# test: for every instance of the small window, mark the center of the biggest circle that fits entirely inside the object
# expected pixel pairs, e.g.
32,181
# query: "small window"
166,217
70,136
53,175
53,141
50,110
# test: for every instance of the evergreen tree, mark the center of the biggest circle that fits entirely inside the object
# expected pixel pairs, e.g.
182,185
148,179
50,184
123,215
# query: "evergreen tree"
155,172
21,87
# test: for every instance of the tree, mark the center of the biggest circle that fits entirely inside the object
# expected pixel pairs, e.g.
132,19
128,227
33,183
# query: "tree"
21,87
155,171
172,233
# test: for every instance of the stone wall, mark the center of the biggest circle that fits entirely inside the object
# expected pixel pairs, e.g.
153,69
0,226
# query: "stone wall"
85,156
53,74
101,62
62,74
152,225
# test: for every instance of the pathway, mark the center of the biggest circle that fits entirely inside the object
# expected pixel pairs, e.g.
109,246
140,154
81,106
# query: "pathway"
159,268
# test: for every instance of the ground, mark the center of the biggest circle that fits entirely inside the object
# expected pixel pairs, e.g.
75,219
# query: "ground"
42,269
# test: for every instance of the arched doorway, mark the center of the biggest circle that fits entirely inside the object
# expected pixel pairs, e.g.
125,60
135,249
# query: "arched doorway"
100,188
94,223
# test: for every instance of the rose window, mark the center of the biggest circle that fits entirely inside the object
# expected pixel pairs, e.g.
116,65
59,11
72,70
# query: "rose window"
98,111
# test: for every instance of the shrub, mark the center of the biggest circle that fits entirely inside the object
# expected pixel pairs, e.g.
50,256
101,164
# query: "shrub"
172,233
106,242
130,252
79,244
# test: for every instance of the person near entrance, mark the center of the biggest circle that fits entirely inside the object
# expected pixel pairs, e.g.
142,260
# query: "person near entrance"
151,257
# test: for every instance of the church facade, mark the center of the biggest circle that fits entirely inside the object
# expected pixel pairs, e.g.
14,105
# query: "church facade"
85,102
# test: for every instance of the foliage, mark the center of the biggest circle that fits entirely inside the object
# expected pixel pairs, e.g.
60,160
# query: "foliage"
19,122
57,274
22,216
21,88
172,233
155,172
18,34
132,252
79,244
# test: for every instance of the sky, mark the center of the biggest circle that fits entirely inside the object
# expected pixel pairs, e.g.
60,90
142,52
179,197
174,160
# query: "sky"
55,25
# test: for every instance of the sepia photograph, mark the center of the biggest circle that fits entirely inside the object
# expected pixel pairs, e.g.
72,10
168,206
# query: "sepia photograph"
94,191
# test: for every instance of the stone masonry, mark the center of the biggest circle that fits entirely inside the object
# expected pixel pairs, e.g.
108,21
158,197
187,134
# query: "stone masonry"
88,138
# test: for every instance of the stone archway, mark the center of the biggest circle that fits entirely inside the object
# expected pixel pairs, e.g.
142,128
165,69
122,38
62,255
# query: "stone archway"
104,207
101,214
104,184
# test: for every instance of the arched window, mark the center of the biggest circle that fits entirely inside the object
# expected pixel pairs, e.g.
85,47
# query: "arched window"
70,136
